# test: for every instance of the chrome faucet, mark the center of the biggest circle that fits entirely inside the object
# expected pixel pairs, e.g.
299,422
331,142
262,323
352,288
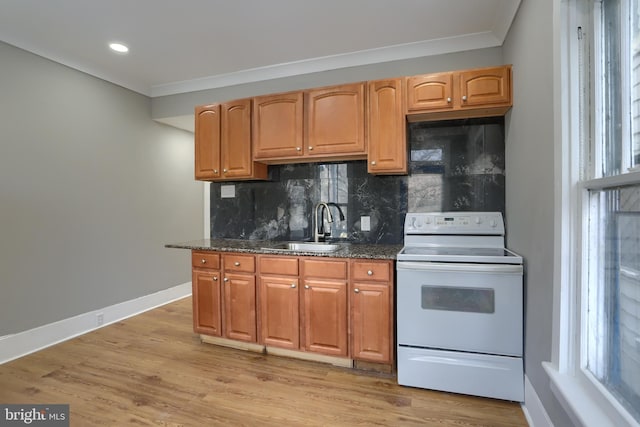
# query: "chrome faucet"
319,233
318,230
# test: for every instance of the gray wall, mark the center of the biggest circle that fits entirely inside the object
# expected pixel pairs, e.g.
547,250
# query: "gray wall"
529,150
182,104
91,188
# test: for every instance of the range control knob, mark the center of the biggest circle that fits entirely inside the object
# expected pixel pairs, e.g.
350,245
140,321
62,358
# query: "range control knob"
478,220
418,223
493,223
427,220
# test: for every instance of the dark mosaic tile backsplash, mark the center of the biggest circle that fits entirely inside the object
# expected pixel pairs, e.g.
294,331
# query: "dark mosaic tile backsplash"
454,166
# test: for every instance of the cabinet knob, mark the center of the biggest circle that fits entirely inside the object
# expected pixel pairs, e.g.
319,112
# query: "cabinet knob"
215,171
310,148
293,285
356,290
449,100
464,98
215,278
237,264
369,273
226,279
298,149
373,163
203,261
224,170
307,287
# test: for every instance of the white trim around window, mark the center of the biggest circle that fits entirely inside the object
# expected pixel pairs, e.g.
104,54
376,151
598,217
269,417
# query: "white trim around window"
584,399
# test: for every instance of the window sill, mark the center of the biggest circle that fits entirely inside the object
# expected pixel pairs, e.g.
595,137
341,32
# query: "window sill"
583,407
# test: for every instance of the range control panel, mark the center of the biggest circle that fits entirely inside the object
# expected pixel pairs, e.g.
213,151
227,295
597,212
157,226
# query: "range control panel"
471,223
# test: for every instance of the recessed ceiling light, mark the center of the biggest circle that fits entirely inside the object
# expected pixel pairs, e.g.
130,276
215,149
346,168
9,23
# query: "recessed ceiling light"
118,47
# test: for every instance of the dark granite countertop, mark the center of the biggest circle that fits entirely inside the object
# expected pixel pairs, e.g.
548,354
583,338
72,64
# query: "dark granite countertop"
347,250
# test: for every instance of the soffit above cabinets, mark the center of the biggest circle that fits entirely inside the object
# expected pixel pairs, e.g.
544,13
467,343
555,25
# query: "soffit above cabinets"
190,45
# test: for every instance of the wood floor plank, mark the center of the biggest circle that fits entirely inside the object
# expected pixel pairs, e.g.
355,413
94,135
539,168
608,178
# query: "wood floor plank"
152,370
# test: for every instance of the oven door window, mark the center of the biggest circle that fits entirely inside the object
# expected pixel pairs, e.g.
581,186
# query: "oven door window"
468,300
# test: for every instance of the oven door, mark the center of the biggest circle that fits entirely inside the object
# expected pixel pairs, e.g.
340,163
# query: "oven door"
462,307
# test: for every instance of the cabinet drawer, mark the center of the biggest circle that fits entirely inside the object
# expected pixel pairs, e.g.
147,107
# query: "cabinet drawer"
278,265
205,260
325,269
371,271
244,263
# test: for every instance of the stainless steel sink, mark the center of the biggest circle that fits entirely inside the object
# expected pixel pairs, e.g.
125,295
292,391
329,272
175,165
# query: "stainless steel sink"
304,247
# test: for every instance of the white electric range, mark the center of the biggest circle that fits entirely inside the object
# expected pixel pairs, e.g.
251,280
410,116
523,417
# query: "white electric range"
460,306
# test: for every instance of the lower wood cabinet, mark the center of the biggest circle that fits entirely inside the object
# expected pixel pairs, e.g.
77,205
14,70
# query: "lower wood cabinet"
205,282
329,306
371,291
324,310
239,291
279,302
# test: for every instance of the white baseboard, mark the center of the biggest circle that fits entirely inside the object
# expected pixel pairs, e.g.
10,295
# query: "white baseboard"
532,407
20,344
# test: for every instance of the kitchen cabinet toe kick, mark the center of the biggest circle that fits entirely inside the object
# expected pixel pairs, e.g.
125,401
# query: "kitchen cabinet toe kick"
342,362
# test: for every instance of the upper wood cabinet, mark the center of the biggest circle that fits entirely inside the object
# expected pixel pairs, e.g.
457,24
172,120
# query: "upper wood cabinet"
485,87
223,143
335,121
207,142
430,92
366,120
277,126
387,152
324,124
481,92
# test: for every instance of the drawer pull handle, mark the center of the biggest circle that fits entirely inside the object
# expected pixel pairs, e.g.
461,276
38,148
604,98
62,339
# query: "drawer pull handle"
310,148
464,98
204,261
237,264
215,278
293,285
307,287
356,290
369,273
448,100
373,163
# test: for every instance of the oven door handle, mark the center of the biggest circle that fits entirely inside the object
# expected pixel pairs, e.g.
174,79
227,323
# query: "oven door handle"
459,267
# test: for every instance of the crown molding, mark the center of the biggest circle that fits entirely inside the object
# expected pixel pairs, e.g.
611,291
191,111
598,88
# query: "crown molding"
354,59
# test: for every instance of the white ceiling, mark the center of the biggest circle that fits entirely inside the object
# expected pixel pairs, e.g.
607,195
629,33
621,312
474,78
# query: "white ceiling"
180,46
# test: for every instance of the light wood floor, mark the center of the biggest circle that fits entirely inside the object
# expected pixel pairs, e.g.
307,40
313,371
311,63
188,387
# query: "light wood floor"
152,370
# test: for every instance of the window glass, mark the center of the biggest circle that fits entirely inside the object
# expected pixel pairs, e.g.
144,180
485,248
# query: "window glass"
613,332
620,92
611,262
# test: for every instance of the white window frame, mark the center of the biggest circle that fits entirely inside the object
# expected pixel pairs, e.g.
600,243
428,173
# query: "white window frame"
586,401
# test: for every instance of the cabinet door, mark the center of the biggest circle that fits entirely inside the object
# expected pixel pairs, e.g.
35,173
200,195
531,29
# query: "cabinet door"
236,139
371,322
430,92
325,317
387,128
277,126
207,142
279,312
336,121
485,87
206,302
240,307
